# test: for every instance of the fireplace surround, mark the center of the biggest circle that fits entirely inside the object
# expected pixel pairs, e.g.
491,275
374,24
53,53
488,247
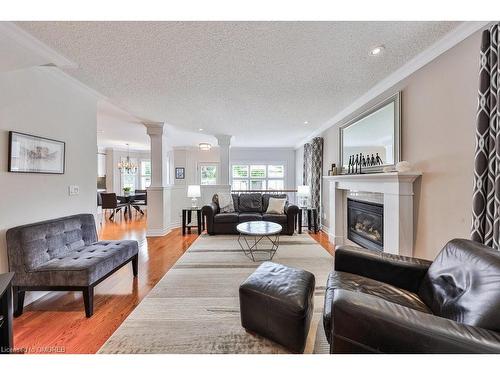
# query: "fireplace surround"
395,191
365,223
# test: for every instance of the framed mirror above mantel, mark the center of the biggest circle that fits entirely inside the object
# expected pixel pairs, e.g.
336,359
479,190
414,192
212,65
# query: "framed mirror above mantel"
376,131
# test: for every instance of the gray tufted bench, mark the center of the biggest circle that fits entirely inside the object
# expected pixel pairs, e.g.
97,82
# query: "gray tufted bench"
64,254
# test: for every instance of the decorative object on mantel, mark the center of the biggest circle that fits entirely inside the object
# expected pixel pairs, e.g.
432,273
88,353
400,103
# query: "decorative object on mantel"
403,166
179,173
359,161
33,154
127,166
333,171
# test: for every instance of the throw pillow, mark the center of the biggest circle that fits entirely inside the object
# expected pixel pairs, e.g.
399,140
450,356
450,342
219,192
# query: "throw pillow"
225,202
276,206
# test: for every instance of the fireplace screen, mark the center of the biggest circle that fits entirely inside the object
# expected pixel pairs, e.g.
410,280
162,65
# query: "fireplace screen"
365,224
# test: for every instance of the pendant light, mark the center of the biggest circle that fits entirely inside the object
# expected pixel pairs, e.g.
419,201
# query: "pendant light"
127,166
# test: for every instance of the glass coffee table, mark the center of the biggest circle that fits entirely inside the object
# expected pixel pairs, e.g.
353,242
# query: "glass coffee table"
252,234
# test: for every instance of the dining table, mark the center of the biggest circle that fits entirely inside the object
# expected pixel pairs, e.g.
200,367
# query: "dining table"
129,200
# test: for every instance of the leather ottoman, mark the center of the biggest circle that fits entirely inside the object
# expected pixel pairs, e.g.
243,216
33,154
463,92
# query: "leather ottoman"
276,302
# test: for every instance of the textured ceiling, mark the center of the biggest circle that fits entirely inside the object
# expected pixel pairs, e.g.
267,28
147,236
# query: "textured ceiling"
259,81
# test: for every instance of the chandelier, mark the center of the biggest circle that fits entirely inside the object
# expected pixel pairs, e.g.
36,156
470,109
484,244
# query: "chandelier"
127,166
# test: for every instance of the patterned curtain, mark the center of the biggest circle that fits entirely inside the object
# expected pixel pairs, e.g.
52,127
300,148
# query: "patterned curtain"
486,196
313,169
306,170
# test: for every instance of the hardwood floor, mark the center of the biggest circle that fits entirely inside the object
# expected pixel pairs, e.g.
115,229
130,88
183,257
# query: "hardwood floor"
322,238
57,323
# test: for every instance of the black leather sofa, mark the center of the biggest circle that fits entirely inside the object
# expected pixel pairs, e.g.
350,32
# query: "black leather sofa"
381,303
248,207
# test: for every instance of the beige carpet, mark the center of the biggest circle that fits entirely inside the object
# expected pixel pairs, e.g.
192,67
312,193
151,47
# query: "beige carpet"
195,307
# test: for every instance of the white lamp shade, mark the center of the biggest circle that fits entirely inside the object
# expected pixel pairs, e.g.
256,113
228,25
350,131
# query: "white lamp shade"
194,191
303,190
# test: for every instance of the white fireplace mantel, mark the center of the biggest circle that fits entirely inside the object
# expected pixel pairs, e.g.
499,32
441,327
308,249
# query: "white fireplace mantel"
397,190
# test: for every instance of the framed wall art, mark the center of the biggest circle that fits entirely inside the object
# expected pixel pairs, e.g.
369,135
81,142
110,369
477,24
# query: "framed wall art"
179,173
33,154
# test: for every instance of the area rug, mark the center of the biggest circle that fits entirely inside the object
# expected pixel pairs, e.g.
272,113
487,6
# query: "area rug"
195,307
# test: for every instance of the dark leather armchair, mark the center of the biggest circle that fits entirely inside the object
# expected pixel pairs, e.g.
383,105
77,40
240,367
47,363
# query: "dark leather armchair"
381,303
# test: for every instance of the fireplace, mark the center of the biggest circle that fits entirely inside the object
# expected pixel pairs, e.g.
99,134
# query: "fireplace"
365,223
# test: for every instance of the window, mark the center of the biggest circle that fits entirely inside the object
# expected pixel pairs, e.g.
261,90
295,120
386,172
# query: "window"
141,179
128,181
208,175
258,177
145,174
275,185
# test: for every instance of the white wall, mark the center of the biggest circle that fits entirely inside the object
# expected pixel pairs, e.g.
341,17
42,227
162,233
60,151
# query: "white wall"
190,158
438,136
39,101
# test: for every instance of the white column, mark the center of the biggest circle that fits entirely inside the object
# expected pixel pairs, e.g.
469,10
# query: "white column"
159,200
224,142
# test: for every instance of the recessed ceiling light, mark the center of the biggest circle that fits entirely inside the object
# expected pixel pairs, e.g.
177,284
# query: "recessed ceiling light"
200,129
377,50
306,122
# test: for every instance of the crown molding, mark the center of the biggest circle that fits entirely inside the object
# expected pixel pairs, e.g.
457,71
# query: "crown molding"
450,40
23,38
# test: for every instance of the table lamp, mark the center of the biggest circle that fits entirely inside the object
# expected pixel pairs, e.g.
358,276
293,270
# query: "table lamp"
303,192
194,193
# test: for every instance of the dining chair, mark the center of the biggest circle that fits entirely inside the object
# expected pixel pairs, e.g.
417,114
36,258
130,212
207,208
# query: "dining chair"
141,199
110,202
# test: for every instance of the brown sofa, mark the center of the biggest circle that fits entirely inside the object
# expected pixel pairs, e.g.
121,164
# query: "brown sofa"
248,207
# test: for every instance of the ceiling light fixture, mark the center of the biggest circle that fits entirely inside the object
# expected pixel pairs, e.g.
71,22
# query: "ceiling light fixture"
127,166
377,50
306,122
205,146
200,129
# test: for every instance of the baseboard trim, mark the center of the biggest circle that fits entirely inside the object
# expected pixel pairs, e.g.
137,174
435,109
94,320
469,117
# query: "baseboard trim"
162,232
158,232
